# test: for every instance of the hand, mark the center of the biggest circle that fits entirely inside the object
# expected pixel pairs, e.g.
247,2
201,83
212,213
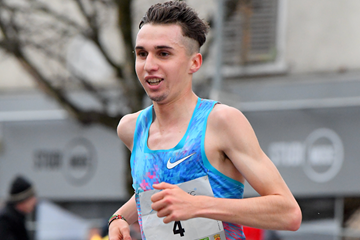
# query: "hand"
119,230
172,203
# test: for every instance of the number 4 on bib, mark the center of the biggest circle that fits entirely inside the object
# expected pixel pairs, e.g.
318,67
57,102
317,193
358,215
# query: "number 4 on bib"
177,229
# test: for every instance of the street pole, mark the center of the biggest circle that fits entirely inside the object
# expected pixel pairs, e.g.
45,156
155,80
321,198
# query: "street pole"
217,79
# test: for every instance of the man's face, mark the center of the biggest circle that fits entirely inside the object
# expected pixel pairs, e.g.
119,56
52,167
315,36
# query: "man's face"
28,205
163,61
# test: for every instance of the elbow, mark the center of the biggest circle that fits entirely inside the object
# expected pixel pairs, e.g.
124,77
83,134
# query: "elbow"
294,219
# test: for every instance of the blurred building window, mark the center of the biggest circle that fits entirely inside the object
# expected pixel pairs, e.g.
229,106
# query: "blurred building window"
253,36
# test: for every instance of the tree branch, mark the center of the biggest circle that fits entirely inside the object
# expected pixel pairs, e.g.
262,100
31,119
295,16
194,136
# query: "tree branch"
95,37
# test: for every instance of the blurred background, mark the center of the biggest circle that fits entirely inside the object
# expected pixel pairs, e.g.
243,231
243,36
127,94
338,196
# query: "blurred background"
67,77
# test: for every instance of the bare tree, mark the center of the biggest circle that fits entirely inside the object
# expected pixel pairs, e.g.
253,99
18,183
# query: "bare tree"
38,34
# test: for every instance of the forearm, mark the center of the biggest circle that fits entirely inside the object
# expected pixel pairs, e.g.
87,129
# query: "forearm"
128,210
266,212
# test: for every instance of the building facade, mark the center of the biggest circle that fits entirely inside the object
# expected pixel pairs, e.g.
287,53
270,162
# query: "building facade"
292,67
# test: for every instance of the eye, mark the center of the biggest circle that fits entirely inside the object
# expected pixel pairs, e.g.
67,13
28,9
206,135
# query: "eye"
164,54
141,54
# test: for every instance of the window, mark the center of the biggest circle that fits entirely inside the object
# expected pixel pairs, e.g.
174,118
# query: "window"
253,39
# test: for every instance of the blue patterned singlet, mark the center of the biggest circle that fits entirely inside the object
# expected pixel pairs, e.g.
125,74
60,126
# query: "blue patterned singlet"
150,166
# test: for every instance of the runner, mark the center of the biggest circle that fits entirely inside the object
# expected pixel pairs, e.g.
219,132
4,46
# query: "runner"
191,156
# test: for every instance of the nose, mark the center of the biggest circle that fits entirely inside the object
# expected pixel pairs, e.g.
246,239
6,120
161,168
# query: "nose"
150,63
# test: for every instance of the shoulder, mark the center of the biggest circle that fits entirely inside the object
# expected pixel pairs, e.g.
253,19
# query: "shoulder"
225,116
126,128
7,215
230,127
10,224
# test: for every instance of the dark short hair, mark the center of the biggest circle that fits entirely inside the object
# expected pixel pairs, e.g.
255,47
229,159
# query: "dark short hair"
176,12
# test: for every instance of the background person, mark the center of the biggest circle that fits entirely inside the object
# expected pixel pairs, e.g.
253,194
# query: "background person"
22,201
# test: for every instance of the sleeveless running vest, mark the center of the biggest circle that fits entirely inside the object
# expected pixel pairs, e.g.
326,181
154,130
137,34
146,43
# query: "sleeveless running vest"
185,162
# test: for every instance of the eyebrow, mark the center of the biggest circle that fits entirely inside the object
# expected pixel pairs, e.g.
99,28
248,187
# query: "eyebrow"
163,47
157,47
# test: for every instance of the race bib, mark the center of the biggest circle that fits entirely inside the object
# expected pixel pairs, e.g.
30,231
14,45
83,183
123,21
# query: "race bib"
193,229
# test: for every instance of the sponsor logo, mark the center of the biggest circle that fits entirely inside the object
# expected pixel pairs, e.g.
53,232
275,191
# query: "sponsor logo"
321,155
77,161
80,161
171,165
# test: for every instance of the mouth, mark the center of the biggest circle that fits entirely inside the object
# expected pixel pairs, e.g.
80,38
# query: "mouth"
154,81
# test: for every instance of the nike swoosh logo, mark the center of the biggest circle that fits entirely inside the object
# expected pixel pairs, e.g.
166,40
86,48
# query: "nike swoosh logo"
170,165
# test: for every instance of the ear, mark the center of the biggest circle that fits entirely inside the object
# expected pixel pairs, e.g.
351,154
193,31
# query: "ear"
196,62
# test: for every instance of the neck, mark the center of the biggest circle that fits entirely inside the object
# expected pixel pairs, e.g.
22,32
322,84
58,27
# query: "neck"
173,112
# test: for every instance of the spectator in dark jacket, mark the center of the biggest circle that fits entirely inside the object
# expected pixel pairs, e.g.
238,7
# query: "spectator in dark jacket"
22,201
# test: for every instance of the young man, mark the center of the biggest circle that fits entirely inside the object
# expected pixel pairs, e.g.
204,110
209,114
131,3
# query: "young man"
191,156
22,201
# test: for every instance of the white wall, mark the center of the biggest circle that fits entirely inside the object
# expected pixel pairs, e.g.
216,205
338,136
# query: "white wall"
11,74
323,35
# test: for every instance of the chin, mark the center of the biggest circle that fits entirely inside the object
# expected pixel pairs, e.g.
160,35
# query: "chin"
157,99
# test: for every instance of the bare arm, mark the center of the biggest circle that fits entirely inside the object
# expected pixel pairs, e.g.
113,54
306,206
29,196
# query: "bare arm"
120,229
230,134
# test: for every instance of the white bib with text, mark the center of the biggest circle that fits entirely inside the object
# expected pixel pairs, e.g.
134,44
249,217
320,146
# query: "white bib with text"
193,229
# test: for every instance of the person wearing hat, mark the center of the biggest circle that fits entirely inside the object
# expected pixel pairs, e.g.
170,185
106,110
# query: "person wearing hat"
22,201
